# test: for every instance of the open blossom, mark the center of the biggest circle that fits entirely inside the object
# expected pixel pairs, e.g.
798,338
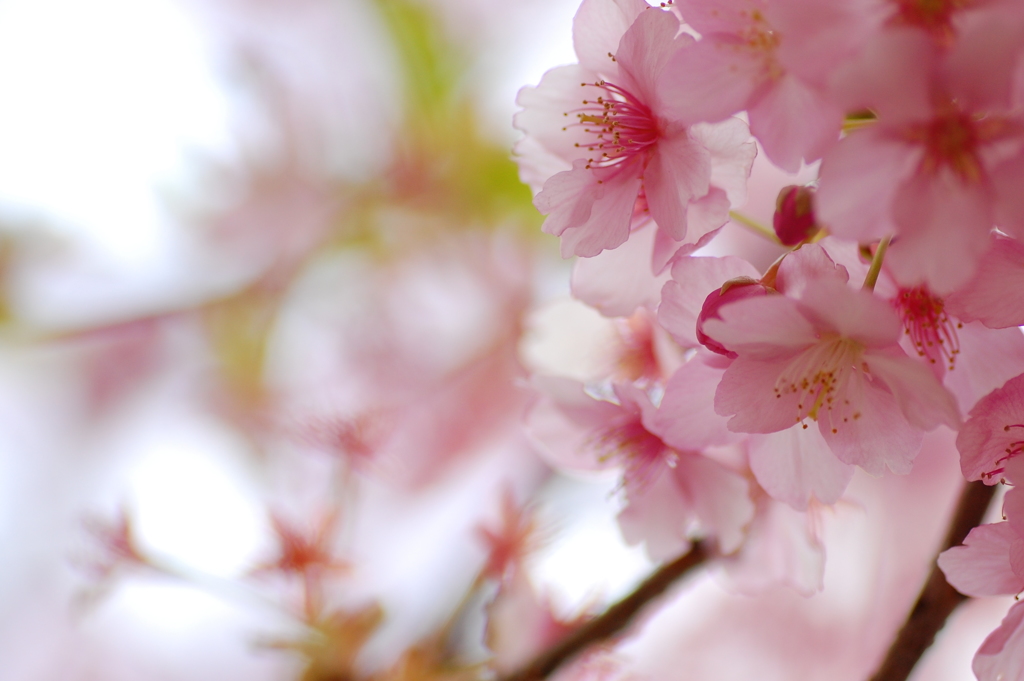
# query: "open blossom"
993,435
605,150
830,356
942,164
669,485
771,59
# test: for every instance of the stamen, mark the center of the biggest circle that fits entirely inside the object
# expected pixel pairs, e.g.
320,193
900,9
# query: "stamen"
1013,449
817,377
640,452
931,330
622,127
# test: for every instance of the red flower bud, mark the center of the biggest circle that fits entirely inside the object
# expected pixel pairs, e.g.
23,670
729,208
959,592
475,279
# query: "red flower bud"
794,215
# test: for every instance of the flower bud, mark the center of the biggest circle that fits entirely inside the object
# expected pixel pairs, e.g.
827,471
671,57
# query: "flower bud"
739,288
794,215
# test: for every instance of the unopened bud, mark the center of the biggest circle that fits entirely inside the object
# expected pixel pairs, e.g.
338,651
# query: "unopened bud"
794,215
739,288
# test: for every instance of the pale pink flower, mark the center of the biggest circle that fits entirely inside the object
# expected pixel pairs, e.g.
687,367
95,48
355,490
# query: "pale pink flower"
771,59
993,436
830,356
942,164
601,143
671,488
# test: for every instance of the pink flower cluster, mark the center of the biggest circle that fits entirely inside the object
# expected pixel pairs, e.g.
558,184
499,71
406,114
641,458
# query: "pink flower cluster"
892,308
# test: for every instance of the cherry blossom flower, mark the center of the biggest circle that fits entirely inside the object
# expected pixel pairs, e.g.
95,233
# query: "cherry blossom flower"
601,144
993,435
669,485
830,356
771,59
938,169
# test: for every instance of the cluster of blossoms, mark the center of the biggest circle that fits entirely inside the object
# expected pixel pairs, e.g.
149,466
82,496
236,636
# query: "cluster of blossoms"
892,310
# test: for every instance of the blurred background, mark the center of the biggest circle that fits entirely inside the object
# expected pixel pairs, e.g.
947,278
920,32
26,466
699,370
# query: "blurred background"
265,270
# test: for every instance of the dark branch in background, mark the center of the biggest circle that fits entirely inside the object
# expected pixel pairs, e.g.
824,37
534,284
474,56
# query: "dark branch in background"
938,599
611,621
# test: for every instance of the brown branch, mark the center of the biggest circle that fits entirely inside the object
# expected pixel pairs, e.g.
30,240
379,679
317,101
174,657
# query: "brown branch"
937,599
613,620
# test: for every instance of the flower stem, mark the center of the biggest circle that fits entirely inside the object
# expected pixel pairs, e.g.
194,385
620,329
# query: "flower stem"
937,599
754,226
613,620
876,264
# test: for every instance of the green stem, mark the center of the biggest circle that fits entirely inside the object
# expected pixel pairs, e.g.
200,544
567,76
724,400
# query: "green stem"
876,264
754,226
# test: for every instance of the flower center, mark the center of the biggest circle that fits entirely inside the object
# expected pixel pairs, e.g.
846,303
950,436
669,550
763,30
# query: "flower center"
933,16
818,376
638,450
951,141
759,38
621,127
931,330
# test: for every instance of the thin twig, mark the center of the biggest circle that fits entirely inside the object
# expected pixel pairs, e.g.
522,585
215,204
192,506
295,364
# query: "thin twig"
613,620
937,599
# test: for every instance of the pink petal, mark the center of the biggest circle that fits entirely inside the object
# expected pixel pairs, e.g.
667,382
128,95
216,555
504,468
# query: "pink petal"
995,295
1013,510
747,393
891,76
794,122
710,80
693,280
1001,656
982,66
802,268
705,216
645,49
564,422
732,155
988,358
720,498
781,548
796,464
1007,179
851,313
719,16
619,281
859,178
943,228
819,35
679,170
543,117
598,27
876,439
921,398
981,567
589,215
765,328
658,517
686,418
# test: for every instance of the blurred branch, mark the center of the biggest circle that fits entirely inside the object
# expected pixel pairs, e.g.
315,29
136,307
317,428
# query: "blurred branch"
613,620
937,599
